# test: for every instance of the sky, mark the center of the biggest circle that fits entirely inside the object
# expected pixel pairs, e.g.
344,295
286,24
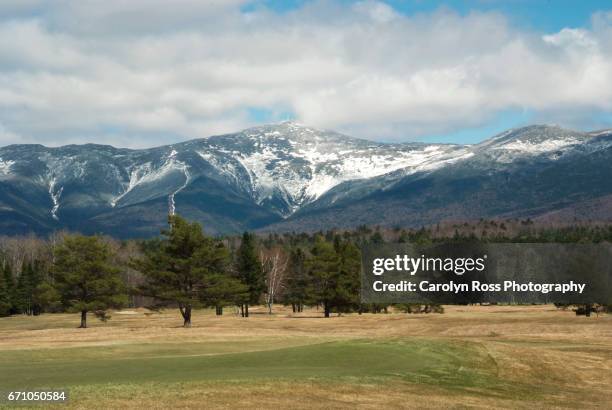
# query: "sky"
143,73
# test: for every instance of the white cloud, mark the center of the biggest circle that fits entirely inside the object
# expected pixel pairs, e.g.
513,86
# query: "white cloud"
7,137
377,11
142,73
570,37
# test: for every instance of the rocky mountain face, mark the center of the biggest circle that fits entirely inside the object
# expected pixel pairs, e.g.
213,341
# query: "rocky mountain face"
291,177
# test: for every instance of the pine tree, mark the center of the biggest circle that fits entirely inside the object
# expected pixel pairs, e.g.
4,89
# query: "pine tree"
27,282
9,284
249,271
46,298
5,298
334,275
297,280
22,300
324,273
377,238
224,290
187,269
85,277
38,280
348,296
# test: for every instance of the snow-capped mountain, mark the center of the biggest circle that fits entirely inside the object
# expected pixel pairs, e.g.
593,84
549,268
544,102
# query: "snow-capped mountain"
287,166
290,176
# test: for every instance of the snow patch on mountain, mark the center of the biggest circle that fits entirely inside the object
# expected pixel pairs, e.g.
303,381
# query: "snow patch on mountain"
55,195
298,164
137,175
440,161
538,147
600,133
5,166
147,173
171,201
282,167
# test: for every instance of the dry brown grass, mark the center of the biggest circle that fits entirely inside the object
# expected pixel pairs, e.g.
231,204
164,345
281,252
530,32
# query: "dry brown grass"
566,359
302,395
484,323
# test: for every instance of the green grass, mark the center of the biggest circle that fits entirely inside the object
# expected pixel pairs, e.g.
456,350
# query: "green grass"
277,362
423,361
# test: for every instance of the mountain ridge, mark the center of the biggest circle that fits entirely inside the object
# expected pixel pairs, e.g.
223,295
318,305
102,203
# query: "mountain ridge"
297,124
274,176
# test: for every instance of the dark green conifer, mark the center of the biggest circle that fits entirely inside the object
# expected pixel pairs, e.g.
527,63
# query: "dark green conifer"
248,267
86,278
187,269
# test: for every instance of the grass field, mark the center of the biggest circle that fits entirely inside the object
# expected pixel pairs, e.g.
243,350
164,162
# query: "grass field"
469,357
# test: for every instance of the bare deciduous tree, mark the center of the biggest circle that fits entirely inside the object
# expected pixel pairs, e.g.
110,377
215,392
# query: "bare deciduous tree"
274,265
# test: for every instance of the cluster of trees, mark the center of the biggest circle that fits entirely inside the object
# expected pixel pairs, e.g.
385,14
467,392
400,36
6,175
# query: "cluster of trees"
184,269
187,269
28,294
81,277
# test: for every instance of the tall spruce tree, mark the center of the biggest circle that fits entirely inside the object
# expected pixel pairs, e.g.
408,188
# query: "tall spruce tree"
38,283
348,297
86,278
333,271
28,281
248,267
187,269
5,298
9,284
46,298
324,273
297,280
22,291
224,290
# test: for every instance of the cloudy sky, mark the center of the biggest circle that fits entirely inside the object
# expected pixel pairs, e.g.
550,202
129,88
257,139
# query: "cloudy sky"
142,73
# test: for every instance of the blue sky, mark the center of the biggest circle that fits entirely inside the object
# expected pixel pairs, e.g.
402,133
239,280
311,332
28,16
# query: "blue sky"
140,74
543,15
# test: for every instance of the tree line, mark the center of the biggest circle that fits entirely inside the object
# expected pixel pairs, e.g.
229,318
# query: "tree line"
186,269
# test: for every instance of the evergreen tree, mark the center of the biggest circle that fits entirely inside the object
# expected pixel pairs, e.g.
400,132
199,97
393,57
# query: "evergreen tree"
334,275
249,271
224,290
187,269
297,280
85,277
377,238
27,282
46,298
5,298
9,285
40,287
348,297
324,273
22,300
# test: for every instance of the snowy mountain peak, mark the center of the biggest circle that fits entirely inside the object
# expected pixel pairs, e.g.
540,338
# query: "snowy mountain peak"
275,171
289,165
532,140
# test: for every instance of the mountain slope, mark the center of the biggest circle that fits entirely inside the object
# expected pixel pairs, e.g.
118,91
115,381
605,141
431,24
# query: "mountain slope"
520,173
288,176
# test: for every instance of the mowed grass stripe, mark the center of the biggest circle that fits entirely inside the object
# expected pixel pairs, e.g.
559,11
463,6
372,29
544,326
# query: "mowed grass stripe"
424,361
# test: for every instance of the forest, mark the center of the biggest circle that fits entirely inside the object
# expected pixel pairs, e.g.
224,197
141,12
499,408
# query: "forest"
186,269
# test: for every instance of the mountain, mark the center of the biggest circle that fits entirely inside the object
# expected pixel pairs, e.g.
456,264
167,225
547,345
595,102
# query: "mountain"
292,177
